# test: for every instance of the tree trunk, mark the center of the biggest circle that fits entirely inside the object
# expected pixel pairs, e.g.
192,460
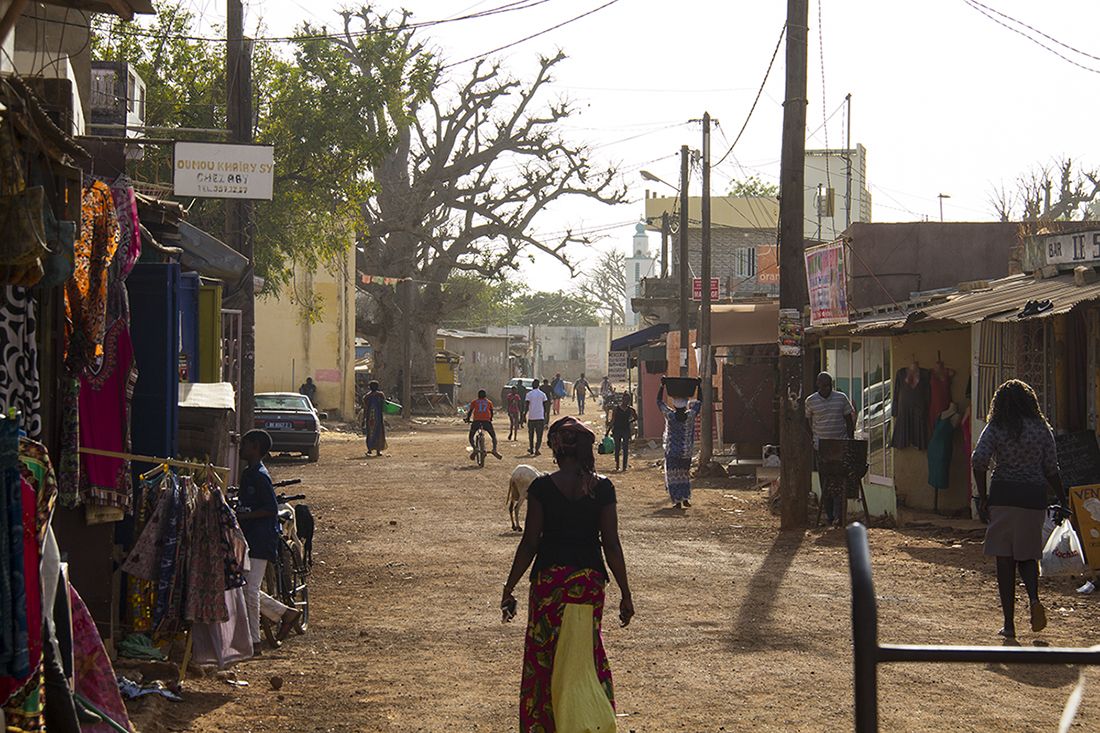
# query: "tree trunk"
388,338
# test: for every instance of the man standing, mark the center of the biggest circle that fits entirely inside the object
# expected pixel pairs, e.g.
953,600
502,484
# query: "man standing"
831,417
557,391
581,390
309,389
536,418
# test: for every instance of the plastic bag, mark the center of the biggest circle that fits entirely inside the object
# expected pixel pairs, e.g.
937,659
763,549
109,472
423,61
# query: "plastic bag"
607,446
1062,554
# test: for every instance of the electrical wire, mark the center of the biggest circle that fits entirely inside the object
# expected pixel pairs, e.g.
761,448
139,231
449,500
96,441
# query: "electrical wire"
759,92
1033,29
981,9
824,113
543,32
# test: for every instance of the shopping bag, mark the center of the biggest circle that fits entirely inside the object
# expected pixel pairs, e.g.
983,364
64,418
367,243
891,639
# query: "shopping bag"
607,446
1062,554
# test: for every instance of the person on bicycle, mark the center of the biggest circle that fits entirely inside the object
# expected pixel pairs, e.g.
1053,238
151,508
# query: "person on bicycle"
481,412
515,409
258,515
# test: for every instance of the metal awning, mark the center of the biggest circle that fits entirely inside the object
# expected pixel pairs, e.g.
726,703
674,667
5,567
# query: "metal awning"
209,256
639,338
1004,300
744,324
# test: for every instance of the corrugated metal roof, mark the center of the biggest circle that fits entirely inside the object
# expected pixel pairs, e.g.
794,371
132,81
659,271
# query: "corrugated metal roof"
1005,298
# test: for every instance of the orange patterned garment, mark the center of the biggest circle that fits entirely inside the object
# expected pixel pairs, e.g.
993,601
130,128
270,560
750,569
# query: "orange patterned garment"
86,290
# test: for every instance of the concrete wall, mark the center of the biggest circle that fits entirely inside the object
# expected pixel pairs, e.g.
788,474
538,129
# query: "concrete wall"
289,347
570,350
910,464
830,168
484,365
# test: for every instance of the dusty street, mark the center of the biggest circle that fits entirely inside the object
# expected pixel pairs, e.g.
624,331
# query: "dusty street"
739,627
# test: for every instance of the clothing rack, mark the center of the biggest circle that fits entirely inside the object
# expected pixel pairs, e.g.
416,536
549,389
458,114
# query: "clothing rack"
222,471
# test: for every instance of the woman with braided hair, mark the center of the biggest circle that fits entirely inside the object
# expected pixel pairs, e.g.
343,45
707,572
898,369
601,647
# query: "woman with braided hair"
1018,442
571,527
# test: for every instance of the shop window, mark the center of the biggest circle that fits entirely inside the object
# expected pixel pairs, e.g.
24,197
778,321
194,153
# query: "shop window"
862,370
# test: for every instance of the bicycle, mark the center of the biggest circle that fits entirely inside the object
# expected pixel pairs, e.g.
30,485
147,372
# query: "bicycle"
287,575
479,446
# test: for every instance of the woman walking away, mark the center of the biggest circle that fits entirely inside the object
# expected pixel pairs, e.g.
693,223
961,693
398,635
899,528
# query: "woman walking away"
566,683
679,446
515,403
1019,443
373,424
621,428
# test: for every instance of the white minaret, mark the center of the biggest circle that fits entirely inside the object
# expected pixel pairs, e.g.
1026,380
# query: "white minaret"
641,264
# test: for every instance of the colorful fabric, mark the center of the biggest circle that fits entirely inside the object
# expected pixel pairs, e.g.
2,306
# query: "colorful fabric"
680,434
141,593
129,249
234,545
19,385
38,470
93,675
206,562
828,415
1027,458
14,656
678,477
514,402
171,578
481,410
106,391
68,467
143,560
552,590
86,291
939,454
26,609
374,422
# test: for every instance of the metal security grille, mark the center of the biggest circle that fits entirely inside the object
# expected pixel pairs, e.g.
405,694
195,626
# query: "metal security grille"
996,360
1033,366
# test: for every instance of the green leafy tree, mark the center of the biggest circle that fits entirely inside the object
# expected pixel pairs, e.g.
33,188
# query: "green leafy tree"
753,186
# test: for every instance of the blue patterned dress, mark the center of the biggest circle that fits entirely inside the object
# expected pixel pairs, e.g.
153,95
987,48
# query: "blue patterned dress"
679,447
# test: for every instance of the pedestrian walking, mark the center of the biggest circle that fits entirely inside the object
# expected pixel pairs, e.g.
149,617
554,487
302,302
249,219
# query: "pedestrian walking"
374,426
621,428
581,390
1019,443
536,418
548,391
831,417
515,407
679,445
557,391
571,516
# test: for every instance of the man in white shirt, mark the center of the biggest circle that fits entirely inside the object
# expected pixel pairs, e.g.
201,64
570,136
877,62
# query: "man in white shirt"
831,417
536,418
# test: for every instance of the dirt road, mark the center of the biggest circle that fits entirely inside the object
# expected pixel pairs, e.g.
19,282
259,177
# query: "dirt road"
739,627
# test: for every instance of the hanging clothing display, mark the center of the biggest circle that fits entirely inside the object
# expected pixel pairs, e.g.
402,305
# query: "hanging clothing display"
106,390
939,393
128,252
939,453
86,291
94,676
225,643
141,592
19,386
912,394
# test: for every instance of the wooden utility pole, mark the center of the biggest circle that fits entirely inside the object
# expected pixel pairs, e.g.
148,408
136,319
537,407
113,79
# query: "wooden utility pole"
238,212
664,244
706,440
794,438
685,270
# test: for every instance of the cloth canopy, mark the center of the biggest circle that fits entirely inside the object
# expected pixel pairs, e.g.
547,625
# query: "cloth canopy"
639,338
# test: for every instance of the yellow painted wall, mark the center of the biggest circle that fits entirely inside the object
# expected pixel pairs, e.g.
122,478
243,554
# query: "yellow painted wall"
911,464
290,348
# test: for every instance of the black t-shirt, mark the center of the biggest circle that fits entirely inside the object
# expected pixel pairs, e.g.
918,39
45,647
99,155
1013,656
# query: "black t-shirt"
570,527
258,495
621,417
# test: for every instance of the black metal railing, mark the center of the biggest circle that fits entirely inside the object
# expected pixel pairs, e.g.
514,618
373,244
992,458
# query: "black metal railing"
868,653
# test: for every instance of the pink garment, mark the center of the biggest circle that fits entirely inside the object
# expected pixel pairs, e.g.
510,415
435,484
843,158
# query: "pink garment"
940,397
33,595
106,389
94,677
224,643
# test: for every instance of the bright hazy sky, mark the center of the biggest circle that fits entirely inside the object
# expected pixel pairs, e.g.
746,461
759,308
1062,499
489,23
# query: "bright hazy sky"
944,99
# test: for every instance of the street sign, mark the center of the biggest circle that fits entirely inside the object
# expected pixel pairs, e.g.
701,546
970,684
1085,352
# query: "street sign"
1071,249
617,365
697,288
223,171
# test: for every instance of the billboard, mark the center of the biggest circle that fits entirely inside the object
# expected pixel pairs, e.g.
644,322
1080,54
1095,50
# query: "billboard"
224,171
827,280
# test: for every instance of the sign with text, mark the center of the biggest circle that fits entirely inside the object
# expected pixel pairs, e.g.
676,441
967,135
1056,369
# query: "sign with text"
697,288
1072,249
767,264
1085,502
617,362
223,171
827,280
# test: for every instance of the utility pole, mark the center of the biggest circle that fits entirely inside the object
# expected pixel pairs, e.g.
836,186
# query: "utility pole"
848,158
794,438
685,270
706,441
664,244
238,212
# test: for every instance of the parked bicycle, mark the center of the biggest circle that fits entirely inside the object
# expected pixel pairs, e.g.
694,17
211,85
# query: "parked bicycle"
287,576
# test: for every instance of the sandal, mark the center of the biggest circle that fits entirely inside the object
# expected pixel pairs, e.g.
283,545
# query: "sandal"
1038,617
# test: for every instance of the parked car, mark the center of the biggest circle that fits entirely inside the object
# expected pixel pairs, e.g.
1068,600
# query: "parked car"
292,422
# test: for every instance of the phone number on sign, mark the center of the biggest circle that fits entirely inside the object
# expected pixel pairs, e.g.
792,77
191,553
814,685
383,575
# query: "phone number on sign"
221,188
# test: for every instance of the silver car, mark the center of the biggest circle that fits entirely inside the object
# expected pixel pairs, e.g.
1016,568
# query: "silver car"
292,422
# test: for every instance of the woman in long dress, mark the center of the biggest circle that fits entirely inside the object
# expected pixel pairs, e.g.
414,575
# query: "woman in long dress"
571,528
373,423
679,446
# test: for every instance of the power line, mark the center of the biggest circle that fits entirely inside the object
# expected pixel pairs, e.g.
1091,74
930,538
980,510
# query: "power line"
980,8
760,91
506,46
1034,30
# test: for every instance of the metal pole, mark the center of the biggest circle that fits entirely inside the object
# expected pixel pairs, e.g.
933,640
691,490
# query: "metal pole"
794,437
664,244
706,440
848,174
685,270
864,630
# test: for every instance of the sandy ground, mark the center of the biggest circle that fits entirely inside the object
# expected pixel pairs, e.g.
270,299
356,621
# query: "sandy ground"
739,627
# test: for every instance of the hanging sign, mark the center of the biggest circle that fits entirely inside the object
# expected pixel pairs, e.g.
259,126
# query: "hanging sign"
697,288
827,280
1080,248
224,171
790,332
617,365
1085,501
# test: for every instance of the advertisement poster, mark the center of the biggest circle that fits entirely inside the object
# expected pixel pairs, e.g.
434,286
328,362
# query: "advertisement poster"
767,264
1085,501
827,279
790,332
